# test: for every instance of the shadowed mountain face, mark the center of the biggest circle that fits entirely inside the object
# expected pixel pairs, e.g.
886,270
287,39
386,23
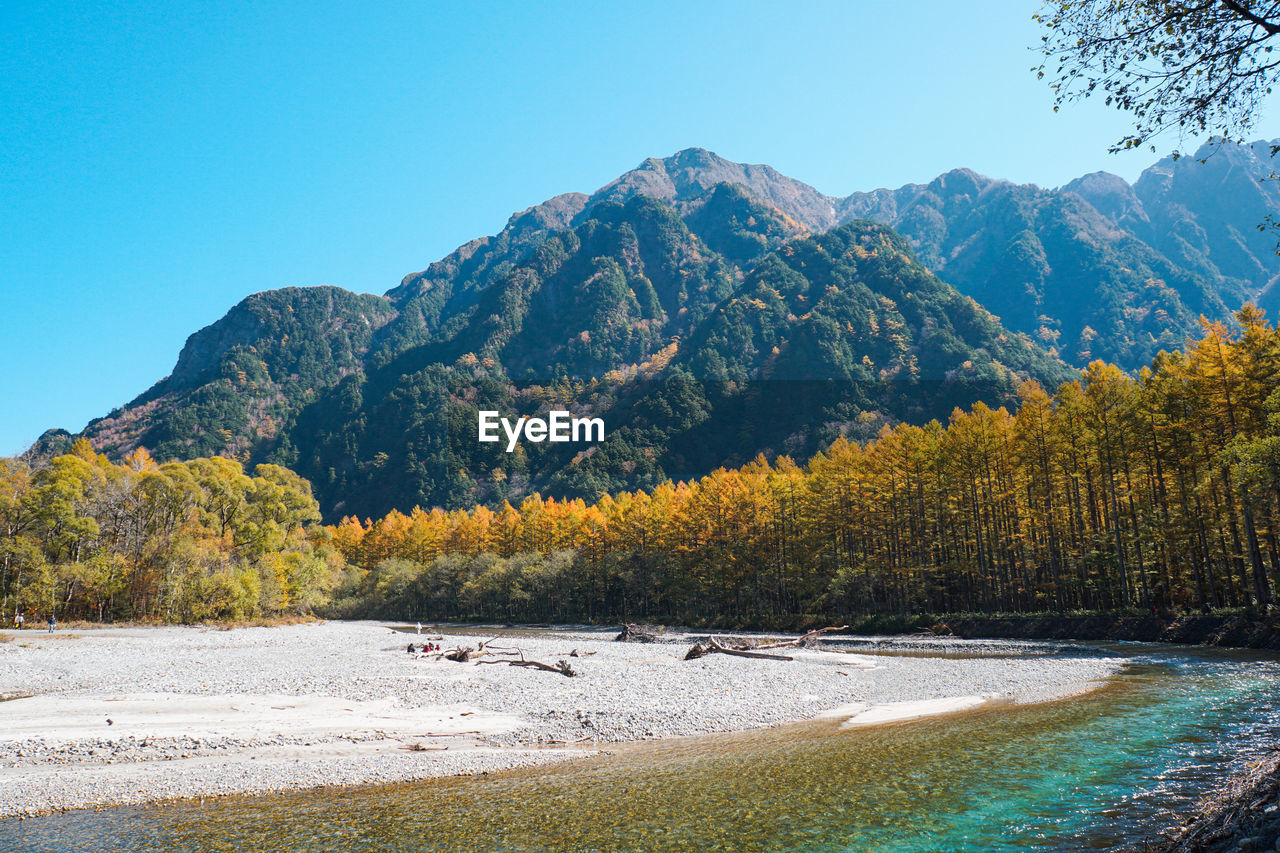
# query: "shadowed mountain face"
708,311
1209,216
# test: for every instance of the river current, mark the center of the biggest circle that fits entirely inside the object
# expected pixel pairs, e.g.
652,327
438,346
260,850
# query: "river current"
1101,771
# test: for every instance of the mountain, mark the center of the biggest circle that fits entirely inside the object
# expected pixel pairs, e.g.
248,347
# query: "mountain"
708,311
241,381
1204,211
1099,268
1050,264
833,334
1094,269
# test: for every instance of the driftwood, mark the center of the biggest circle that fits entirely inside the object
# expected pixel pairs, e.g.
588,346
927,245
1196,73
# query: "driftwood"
805,641
714,645
463,654
747,649
632,633
487,649
561,667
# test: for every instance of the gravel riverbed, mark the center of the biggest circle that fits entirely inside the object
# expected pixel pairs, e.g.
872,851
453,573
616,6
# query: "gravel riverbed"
130,715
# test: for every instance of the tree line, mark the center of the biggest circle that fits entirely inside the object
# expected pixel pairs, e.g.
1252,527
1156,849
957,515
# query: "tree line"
83,538
1158,492
1155,492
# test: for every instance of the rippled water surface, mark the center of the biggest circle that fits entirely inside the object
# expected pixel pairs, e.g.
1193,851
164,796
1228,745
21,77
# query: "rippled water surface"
1092,773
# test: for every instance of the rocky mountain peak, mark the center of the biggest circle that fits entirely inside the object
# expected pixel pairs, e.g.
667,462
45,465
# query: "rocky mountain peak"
1110,195
689,173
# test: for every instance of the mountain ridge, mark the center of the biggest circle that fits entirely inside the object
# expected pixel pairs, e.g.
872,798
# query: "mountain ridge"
583,294
1211,263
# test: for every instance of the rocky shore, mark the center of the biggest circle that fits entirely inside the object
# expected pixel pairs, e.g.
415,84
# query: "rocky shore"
132,715
1242,815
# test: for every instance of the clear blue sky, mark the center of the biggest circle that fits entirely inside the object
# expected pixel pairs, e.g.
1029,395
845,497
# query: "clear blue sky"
159,162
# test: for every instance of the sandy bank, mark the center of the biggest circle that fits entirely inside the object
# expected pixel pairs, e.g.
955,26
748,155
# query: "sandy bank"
131,715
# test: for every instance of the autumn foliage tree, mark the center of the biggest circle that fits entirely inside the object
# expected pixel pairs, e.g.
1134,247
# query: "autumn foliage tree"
84,538
1116,492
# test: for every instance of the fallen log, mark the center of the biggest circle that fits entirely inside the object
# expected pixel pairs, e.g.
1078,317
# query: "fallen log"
699,650
583,739
712,645
561,667
801,642
463,654
632,633
741,653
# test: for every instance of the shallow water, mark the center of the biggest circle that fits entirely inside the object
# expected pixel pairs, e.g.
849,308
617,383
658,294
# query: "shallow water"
1097,772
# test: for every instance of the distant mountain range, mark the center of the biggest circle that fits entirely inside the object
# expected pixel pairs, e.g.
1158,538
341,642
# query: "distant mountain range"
708,311
1095,269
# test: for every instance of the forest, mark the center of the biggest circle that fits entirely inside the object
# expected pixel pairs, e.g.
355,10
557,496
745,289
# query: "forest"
83,538
1156,492
1151,493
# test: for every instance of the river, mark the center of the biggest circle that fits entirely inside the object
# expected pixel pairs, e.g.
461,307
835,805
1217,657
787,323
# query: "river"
1097,772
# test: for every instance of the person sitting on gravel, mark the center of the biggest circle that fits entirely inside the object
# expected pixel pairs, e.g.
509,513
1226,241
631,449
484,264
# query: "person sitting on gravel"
411,649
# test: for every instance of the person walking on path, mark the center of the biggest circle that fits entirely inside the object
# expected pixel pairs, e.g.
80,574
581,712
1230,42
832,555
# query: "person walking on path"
18,619
53,621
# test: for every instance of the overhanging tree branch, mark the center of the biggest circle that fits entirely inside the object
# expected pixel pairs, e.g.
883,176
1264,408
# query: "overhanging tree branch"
1198,68
1244,12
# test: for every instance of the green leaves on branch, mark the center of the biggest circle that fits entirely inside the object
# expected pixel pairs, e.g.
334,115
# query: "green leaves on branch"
1193,68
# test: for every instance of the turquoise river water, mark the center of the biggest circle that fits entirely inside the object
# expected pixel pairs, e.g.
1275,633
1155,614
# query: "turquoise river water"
1099,772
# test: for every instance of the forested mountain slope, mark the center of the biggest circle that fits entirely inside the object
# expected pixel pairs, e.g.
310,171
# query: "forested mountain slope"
1099,268
699,308
632,318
